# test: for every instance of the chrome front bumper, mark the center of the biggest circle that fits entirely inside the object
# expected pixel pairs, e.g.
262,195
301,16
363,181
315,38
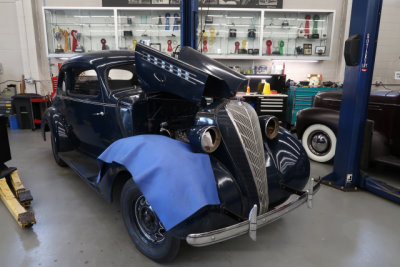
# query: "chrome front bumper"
254,222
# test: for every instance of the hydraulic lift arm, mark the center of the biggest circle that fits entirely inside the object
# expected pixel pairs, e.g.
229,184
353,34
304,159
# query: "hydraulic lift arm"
12,191
22,216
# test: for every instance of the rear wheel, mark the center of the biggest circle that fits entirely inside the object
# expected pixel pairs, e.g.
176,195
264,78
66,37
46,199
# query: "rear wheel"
144,227
319,141
54,148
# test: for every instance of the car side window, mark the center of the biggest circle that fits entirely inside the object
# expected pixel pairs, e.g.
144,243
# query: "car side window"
84,82
122,76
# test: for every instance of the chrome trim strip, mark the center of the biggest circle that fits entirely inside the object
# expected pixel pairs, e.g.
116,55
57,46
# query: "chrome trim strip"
271,110
88,102
223,234
271,99
267,105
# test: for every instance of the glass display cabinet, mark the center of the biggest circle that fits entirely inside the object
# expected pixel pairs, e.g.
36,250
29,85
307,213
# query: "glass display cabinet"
223,33
159,28
297,34
70,31
227,33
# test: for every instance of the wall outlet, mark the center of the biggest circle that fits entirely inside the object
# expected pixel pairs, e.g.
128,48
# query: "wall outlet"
1,68
397,75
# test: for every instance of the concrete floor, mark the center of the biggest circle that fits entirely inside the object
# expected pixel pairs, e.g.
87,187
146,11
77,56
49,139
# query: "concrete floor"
75,227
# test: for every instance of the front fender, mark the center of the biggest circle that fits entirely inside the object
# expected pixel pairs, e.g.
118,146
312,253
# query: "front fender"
46,124
287,166
57,126
309,116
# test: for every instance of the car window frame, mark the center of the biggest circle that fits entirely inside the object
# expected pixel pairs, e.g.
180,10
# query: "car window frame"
107,70
61,83
69,80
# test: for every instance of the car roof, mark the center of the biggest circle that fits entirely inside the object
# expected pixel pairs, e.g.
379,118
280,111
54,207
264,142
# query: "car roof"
379,96
96,59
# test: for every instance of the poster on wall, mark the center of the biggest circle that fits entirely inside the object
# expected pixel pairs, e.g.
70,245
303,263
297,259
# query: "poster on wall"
202,3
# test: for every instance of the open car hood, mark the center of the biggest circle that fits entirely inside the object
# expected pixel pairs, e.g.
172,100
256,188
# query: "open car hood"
192,76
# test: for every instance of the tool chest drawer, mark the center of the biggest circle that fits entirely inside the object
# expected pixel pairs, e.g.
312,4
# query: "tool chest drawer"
274,104
300,98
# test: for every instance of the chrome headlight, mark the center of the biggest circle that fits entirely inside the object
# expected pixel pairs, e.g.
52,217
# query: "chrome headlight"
270,124
210,139
205,138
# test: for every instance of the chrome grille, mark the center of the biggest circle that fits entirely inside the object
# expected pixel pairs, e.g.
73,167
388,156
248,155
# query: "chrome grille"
247,125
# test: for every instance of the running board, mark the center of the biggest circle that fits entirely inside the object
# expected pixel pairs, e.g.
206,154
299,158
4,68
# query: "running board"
389,159
85,166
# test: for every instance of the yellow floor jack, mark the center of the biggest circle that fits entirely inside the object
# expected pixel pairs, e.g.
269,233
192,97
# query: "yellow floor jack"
16,198
12,191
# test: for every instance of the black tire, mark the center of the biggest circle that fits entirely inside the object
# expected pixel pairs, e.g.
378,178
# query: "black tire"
54,148
144,227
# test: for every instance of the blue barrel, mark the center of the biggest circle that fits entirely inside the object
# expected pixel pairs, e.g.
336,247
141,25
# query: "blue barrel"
13,122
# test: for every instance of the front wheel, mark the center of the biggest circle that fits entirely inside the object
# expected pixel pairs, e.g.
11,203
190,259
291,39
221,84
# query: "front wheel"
54,148
144,227
319,141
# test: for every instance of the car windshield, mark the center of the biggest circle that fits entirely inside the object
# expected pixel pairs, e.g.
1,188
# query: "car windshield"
122,76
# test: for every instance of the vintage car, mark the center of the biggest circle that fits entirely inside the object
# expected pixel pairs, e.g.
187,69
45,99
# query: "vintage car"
161,134
317,126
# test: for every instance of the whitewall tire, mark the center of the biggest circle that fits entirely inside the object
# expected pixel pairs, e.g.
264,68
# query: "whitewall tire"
319,141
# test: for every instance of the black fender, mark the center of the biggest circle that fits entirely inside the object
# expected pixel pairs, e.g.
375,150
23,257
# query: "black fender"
287,166
310,116
214,217
230,195
113,176
54,122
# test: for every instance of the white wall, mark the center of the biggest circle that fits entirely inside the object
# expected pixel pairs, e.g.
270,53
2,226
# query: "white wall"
388,52
10,49
19,45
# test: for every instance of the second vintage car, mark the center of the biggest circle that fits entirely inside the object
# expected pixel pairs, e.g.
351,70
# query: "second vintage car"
317,126
137,126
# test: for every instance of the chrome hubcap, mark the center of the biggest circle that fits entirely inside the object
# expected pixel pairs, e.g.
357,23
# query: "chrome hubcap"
148,222
320,143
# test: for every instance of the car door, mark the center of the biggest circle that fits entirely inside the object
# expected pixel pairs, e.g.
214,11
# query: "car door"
84,109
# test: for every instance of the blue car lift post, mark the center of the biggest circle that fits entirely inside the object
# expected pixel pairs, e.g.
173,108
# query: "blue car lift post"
360,54
189,10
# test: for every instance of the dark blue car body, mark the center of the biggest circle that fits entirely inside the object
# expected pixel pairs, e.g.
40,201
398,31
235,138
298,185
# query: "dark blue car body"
186,95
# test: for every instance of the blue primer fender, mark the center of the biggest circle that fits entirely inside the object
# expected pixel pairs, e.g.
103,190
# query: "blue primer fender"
175,181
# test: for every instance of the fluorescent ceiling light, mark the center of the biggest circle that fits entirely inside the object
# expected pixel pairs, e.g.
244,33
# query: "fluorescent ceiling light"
295,60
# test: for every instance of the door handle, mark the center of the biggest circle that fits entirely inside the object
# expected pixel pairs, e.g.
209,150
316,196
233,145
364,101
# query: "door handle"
99,114
159,78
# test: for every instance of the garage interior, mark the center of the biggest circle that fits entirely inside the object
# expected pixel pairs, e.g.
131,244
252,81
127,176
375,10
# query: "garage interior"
75,226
